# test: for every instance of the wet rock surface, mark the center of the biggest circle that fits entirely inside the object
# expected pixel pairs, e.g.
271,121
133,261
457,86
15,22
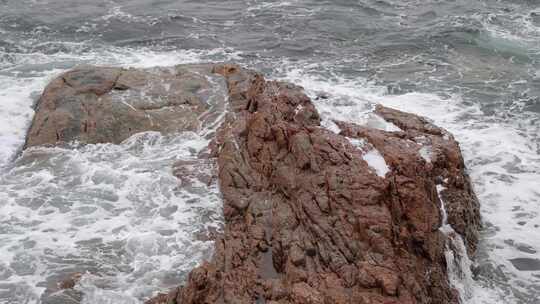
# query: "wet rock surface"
107,105
309,218
425,154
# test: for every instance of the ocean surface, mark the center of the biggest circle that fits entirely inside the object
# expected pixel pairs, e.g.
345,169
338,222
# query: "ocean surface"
116,213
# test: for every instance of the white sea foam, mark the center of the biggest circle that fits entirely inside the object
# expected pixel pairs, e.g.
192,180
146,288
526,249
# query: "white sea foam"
376,161
292,9
114,212
459,265
15,112
268,5
517,27
375,121
119,13
371,155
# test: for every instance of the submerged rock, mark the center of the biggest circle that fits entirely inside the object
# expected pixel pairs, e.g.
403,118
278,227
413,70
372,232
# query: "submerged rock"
61,290
526,264
311,216
108,105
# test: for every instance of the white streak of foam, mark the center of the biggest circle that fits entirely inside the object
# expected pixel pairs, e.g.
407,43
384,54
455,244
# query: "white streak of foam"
267,5
373,157
459,264
16,112
426,153
122,196
376,161
375,121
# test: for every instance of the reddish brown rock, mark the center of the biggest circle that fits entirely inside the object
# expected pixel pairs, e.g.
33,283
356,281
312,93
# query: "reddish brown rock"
445,166
307,220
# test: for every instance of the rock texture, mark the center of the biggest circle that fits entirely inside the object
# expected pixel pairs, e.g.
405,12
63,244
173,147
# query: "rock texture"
100,105
309,220
444,164
311,216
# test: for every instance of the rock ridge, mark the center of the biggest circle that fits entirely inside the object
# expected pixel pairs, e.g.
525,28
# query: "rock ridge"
312,215
308,220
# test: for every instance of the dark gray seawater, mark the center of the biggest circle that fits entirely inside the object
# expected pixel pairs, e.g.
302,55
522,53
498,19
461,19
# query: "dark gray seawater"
471,66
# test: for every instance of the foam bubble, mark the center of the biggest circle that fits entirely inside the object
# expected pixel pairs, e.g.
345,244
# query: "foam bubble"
371,155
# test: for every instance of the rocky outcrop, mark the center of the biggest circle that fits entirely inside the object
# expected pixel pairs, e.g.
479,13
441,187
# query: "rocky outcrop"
311,216
107,105
444,163
318,217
